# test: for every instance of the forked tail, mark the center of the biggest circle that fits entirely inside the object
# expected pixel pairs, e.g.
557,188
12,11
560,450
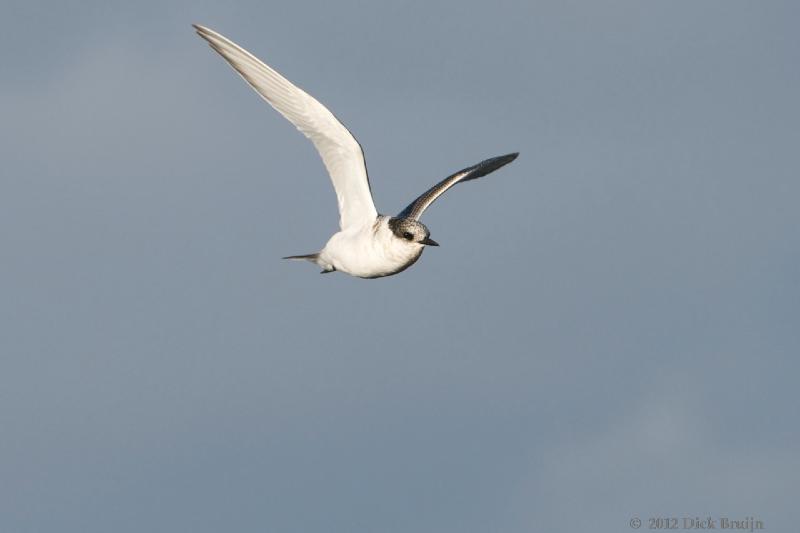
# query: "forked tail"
314,258
310,257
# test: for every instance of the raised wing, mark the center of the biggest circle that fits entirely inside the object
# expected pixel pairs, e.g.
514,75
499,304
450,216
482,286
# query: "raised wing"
340,152
418,206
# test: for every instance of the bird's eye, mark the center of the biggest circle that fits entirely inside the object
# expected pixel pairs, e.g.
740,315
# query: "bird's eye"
407,236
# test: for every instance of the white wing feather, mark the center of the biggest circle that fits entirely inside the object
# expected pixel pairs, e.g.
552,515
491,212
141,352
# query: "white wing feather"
340,152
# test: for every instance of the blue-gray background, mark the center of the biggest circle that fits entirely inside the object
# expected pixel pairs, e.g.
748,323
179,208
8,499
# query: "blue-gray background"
609,329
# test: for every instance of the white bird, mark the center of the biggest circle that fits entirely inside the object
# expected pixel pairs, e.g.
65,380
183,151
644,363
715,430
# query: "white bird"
368,245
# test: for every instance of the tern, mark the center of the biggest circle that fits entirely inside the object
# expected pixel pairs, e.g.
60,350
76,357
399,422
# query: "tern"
368,245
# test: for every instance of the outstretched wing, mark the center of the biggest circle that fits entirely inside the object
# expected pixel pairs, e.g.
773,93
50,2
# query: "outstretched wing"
339,150
418,206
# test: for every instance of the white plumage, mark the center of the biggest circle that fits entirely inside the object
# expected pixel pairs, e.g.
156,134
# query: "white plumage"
368,245
339,150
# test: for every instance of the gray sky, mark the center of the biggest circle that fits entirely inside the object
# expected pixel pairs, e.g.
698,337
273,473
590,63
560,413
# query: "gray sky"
609,329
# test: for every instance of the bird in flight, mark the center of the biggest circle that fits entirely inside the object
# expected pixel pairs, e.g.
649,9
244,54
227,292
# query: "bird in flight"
368,245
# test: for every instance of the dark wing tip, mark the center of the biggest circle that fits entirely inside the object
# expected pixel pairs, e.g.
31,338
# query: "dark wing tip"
202,31
488,166
494,163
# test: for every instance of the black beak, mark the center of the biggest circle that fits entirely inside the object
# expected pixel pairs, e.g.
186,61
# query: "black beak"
429,242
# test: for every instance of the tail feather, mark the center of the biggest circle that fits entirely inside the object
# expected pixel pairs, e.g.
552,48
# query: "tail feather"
309,257
314,258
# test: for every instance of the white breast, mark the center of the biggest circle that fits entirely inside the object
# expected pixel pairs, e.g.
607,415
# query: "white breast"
370,251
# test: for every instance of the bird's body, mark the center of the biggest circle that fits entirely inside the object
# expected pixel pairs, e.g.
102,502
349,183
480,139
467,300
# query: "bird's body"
368,245
368,251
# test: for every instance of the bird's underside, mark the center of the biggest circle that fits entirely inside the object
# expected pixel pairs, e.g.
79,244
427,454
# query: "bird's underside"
368,245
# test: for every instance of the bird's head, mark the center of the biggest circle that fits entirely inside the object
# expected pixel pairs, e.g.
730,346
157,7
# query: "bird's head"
411,231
